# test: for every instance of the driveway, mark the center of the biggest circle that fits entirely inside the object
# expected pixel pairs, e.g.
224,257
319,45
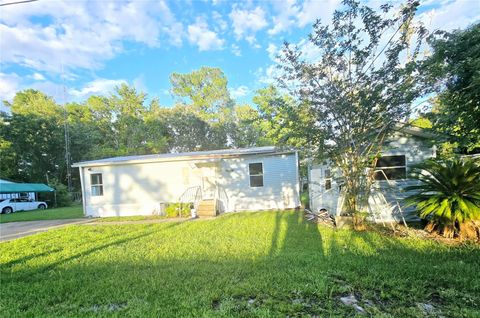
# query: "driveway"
13,230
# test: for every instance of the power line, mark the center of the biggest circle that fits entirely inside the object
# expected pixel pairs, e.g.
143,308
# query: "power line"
16,2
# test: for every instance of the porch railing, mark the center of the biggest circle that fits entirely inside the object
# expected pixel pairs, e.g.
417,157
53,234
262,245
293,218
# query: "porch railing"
191,195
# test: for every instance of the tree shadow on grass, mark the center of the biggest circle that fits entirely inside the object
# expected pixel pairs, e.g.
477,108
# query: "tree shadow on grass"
32,275
302,271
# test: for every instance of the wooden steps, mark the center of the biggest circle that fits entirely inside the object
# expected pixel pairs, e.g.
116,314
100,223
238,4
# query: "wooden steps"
207,208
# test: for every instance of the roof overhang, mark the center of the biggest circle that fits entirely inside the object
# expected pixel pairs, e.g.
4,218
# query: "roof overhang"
414,131
204,156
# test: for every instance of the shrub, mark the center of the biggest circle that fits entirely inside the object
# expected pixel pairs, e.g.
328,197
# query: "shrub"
448,196
174,210
61,195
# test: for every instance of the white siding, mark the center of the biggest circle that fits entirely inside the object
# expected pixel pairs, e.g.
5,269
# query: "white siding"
415,150
138,189
280,183
320,197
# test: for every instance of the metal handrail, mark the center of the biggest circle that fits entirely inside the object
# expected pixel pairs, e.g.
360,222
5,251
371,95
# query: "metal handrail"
190,195
218,196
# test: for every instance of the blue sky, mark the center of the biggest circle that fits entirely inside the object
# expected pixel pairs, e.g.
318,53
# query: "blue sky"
97,45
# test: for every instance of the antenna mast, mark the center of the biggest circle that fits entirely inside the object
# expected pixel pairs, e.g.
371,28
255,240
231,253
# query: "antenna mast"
67,136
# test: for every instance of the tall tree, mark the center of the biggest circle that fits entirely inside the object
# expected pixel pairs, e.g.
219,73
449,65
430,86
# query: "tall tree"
128,108
453,70
205,90
33,138
362,83
285,121
189,132
156,129
248,130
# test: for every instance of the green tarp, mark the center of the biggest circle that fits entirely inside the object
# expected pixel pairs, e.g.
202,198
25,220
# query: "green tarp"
24,187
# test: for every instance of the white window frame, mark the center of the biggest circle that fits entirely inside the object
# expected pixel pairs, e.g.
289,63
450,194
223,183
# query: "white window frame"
255,175
378,169
96,185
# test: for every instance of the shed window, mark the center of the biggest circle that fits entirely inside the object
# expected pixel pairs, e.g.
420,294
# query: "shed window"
96,184
256,174
393,167
328,179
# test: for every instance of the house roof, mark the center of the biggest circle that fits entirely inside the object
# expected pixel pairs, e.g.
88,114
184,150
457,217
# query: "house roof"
414,131
24,187
199,155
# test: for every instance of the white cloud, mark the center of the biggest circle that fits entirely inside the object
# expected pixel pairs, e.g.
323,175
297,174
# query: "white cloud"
451,15
139,83
247,23
314,9
37,77
272,50
236,50
220,23
9,85
287,13
99,86
310,52
204,38
81,34
240,91
252,40
267,76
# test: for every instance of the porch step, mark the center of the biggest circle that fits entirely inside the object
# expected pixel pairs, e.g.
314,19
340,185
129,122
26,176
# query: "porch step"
207,208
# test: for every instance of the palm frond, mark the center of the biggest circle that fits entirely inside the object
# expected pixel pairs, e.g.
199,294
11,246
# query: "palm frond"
449,191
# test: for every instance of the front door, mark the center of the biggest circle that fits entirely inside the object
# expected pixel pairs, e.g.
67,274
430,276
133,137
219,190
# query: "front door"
207,171
208,185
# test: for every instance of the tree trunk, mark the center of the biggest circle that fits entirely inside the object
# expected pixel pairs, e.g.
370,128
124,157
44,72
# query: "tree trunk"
470,230
449,230
430,227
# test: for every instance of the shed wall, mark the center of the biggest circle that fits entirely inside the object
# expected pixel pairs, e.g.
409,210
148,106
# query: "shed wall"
415,150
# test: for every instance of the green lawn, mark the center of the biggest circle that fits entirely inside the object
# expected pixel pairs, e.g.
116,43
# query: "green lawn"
245,264
131,218
71,212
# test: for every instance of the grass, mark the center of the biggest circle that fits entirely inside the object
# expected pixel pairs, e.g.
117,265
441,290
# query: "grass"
305,198
245,264
131,218
71,212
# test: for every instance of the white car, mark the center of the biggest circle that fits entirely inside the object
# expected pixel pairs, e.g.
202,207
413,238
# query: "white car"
20,204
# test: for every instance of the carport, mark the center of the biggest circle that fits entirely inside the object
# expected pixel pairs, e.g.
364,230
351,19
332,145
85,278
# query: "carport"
19,188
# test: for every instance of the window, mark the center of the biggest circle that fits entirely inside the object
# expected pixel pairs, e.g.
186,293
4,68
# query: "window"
328,179
393,167
256,174
97,184
328,184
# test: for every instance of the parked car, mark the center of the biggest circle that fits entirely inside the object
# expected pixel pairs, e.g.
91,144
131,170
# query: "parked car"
20,204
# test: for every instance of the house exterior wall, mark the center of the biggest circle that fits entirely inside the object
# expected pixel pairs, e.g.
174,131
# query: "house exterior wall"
415,149
138,189
280,183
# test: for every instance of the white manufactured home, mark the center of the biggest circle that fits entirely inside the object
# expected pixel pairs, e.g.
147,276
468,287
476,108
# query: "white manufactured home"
234,179
407,146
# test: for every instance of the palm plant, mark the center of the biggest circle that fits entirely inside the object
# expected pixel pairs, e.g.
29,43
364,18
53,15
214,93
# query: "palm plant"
448,196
